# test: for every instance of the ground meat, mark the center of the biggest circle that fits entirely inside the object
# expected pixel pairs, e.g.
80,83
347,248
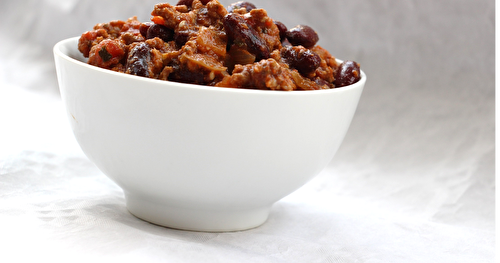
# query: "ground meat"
130,31
265,74
270,74
328,66
200,42
265,27
89,39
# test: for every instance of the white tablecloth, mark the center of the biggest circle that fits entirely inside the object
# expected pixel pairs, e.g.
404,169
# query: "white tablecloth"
413,181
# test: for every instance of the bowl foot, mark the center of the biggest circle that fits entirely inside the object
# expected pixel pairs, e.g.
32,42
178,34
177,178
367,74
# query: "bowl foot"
196,218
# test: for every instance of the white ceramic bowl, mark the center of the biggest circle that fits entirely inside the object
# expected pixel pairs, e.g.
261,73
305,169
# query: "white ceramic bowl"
197,157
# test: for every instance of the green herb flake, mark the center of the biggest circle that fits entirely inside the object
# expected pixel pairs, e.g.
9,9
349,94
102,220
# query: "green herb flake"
104,54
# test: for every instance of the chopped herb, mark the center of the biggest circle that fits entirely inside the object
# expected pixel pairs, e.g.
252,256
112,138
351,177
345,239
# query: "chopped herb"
239,43
104,54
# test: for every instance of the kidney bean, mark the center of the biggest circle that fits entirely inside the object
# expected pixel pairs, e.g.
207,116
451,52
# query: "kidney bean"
187,76
302,59
160,31
239,31
182,36
321,82
241,4
302,35
143,28
348,73
282,28
285,43
189,3
307,62
138,60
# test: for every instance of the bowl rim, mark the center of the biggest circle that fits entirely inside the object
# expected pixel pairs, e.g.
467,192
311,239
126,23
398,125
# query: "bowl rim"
60,53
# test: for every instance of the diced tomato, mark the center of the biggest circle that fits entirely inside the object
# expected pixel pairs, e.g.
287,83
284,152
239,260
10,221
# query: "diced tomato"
114,49
158,20
107,53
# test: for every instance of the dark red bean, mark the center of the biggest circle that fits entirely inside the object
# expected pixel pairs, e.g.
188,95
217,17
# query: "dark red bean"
186,76
302,59
285,43
307,62
160,31
239,31
321,82
189,3
302,35
282,28
138,60
241,4
181,37
348,73
143,28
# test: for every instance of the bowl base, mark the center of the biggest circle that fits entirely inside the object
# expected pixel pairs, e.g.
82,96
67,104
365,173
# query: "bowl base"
196,219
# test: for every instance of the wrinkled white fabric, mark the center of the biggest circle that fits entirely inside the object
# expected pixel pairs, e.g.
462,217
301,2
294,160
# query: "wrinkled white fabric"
413,181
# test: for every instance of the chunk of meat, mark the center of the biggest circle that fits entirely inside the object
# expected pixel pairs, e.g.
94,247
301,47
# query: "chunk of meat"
265,74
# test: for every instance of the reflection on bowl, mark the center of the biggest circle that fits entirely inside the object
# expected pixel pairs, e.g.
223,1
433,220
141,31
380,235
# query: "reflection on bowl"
198,157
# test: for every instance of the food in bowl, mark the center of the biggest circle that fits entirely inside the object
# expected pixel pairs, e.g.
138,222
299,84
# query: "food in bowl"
198,157
203,42
190,156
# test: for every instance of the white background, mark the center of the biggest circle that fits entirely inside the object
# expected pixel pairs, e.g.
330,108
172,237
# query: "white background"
413,181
